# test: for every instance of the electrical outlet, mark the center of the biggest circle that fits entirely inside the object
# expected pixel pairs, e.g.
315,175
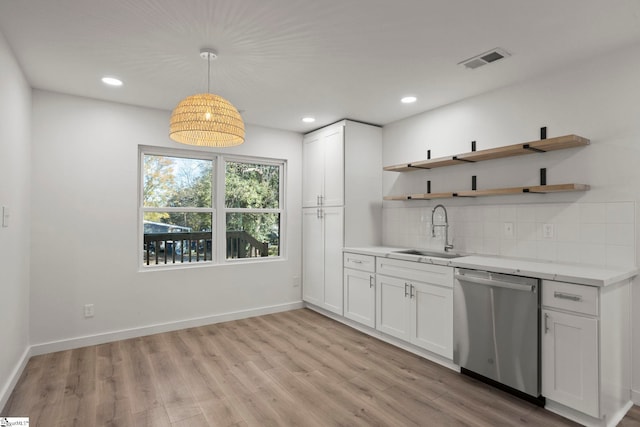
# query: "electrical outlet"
547,231
508,229
88,310
296,281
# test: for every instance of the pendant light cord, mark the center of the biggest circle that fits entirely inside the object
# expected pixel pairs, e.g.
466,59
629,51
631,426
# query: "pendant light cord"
208,72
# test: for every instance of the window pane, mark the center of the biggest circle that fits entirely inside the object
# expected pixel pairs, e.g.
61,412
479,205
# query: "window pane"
177,182
253,235
172,237
252,186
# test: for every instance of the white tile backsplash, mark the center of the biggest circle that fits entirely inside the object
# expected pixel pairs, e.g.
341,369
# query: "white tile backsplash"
525,214
592,233
566,232
600,234
526,231
593,213
620,256
568,252
526,249
620,213
508,213
619,234
547,250
568,214
547,213
593,253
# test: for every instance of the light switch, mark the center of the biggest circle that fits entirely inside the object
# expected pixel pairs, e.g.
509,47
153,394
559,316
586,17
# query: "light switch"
547,231
5,216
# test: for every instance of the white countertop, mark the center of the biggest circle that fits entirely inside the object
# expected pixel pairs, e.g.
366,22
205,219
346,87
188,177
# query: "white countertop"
572,273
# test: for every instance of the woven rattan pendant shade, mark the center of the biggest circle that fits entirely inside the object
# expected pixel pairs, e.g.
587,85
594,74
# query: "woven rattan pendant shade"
206,120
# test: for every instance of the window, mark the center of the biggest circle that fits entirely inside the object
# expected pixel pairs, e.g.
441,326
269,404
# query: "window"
177,209
178,198
252,208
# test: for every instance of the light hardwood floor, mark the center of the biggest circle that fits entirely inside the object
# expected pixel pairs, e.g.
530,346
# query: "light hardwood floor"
296,368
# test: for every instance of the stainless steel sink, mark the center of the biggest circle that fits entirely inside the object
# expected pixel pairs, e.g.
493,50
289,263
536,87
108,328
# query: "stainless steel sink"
428,253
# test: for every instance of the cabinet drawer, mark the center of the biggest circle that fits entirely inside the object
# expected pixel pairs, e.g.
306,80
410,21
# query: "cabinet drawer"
360,262
428,273
571,297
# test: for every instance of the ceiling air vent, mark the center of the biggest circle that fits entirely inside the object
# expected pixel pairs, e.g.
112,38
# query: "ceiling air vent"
485,58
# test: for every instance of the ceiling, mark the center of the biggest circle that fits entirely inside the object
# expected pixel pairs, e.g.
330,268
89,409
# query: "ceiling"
280,60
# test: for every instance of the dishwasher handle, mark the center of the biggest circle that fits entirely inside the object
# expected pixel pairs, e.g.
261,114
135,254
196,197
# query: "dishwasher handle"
495,283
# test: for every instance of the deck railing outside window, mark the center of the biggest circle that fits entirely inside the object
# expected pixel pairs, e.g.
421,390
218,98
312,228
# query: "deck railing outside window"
172,248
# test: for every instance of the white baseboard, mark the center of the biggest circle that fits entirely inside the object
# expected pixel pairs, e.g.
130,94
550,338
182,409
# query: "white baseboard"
611,421
635,397
106,337
8,387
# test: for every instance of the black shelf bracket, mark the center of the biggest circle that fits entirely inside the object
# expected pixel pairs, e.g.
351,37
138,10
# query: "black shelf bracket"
530,148
415,167
462,160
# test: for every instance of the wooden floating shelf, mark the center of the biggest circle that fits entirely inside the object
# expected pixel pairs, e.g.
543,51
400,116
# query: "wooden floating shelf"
396,197
540,146
421,196
429,196
425,164
537,189
492,192
558,188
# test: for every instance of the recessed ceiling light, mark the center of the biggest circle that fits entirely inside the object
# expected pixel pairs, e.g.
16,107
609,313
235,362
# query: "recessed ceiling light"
408,99
111,81
308,119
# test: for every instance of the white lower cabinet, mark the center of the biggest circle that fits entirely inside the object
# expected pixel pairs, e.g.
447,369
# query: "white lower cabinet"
416,311
585,351
359,288
570,360
360,297
432,318
322,233
392,306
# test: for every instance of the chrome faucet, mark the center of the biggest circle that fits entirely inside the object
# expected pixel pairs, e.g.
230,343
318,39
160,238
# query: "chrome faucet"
447,246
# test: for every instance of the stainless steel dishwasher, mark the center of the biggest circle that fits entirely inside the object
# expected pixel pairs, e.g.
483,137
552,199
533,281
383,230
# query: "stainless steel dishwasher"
496,330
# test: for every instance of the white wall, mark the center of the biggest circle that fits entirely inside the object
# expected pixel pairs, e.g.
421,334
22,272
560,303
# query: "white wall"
15,113
598,100
85,231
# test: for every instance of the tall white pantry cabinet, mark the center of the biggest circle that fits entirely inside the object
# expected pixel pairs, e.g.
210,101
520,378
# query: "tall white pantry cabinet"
341,205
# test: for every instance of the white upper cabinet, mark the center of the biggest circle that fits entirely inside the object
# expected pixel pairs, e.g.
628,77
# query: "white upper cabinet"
312,170
323,168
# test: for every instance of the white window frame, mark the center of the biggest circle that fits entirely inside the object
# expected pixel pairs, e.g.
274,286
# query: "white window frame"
222,250
218,207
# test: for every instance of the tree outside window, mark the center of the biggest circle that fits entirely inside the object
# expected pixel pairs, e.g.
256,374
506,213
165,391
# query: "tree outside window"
252,209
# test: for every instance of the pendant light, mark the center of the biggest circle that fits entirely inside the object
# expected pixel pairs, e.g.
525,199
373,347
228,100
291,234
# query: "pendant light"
205,119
